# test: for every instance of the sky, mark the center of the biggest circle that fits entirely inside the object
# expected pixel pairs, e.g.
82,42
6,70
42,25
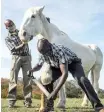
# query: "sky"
82,20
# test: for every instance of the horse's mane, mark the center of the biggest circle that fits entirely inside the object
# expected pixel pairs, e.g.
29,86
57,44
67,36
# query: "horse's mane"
44,19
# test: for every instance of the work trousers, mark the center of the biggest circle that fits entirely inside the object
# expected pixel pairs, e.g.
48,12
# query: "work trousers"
76,69
23,62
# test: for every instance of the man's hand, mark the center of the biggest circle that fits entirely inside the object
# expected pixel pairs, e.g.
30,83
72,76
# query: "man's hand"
29,73
23,43
53,95
20,46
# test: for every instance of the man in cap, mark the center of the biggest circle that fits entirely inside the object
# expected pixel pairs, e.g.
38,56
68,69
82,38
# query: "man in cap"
21,58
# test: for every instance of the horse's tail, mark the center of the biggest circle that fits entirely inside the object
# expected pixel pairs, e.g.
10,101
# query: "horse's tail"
98,53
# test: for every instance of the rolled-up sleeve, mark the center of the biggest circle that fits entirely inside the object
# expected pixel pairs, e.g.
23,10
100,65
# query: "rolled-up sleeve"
10,44
62,59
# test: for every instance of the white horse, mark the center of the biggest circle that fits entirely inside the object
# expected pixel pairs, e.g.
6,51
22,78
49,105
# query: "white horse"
34,23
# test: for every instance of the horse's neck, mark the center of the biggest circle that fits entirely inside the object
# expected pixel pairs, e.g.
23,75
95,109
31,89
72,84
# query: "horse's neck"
46,30
49,31
53,34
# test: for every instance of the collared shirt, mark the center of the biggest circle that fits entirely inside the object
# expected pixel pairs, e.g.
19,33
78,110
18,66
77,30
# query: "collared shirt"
59,55
12,40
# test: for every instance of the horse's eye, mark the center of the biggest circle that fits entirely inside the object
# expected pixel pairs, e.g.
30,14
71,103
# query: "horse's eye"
33,16
24,33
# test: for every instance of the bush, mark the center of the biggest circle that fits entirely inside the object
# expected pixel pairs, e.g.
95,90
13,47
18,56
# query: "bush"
20,92
36,96
4,93
36,93
4,87
73,90
101,93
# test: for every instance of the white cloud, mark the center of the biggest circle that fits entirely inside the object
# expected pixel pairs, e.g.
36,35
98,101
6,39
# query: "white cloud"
76,14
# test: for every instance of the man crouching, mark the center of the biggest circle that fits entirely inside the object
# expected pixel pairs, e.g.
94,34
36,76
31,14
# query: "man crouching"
61,60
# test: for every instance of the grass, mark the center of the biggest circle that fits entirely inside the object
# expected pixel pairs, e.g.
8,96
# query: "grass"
72,105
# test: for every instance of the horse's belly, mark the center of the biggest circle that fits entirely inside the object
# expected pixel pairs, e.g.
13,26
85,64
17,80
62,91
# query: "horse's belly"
87,56
88,63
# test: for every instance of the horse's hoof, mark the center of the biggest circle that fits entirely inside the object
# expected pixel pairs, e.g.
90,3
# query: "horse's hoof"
60,106
84,104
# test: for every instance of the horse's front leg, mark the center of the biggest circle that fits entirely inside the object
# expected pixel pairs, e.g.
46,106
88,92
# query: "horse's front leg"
85,101
62,97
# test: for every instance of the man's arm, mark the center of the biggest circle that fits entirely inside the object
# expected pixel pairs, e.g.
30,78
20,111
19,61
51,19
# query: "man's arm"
36,68
20,46
38,65
9,44
12,47
64,70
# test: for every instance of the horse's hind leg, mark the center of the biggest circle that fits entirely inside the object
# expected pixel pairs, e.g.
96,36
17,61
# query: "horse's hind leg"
95,71
96,74
85,99
97,67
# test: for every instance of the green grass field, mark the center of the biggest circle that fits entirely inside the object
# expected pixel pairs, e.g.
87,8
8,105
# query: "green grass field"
72,105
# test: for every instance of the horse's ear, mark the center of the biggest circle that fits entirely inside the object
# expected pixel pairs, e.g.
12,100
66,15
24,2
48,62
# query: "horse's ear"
41,9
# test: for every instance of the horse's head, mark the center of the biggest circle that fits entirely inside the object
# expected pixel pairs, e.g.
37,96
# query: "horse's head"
31,24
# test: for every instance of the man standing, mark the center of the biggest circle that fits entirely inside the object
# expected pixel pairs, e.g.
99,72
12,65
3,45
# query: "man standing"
62,60
21,58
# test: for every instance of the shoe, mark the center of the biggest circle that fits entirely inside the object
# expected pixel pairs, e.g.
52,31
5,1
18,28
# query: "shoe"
11,103
28,105
11,106
49,110
102,110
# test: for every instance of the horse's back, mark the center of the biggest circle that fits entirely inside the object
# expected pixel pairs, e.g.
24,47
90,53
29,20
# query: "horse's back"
86,54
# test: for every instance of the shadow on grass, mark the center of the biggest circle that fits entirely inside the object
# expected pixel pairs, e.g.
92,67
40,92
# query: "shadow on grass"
75,109
68,109
19,107
78,108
